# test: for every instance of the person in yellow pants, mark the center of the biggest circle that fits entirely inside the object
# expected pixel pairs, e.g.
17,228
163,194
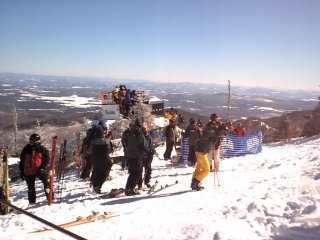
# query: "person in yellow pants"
203,167
212,133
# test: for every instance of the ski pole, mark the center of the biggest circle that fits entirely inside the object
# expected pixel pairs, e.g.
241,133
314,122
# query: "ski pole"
215,171
216,176
63,164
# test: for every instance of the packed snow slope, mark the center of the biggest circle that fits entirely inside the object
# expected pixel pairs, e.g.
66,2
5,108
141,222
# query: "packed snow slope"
272,195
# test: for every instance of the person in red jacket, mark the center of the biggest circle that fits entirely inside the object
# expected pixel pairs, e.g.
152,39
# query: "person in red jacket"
241,130
34,159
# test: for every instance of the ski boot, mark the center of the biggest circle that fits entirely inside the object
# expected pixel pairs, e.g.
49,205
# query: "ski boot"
131,192
195,185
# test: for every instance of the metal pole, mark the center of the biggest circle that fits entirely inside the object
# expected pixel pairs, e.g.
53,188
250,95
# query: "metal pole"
229,102
71,234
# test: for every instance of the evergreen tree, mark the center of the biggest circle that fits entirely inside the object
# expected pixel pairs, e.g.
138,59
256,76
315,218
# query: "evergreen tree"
286,130
312,127
38,127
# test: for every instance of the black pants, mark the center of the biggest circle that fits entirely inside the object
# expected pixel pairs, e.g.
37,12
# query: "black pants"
135,172
192,159
147,170
30,180
169,147
100,172
124,162
87,167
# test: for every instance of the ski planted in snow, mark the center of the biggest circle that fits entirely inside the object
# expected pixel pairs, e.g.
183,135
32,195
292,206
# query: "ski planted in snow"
52,168
61,168
4,180
79,160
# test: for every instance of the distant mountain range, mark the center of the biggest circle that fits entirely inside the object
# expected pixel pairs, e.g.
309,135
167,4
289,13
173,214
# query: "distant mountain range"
55,94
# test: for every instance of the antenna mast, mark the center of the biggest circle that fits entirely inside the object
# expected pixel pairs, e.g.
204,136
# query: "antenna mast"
229,101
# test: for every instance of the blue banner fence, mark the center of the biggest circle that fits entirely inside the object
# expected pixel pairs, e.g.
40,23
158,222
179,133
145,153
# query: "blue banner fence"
231,145
234,146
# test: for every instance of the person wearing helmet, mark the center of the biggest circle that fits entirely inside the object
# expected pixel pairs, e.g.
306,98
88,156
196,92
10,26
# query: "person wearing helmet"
101,161
34,159
136,146
208,140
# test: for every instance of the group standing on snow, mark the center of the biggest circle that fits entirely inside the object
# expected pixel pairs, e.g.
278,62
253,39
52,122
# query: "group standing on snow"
203,142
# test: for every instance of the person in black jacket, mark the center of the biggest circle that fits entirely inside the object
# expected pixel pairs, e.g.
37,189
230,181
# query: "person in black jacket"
170,139
135,148
101,161
147,159
192,133
86,154
34,159
124,163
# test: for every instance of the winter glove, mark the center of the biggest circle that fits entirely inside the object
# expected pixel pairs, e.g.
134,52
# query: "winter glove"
22,176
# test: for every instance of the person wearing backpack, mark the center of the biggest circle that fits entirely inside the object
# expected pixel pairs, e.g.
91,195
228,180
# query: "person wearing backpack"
101,161
192,133
136,146
34,159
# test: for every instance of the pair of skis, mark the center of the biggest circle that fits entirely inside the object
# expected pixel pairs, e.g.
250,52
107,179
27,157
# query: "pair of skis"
79,221
152,190
60,168
4,181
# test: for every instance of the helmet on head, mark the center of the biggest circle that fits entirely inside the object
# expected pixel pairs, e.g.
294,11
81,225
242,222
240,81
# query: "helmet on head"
214,116
137,122
98,133
192,121
34,137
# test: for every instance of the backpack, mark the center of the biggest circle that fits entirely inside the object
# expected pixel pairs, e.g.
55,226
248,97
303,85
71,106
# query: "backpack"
136,144
193,136
32,162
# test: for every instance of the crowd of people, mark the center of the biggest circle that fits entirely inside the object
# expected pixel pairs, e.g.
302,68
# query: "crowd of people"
125,98
203,141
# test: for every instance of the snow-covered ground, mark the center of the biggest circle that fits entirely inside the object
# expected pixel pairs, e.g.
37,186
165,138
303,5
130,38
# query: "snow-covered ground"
272,195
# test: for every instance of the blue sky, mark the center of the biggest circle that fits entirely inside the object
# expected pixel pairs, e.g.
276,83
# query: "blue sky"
273,43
